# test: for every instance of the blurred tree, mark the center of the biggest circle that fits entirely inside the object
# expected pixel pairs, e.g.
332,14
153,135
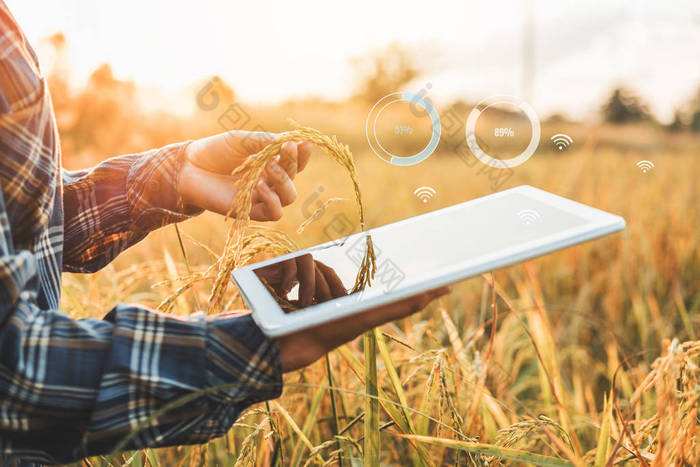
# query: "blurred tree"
623,107
58,74
58,40
695,121
102,116
694,112
104,113
214,94
557,118
385,71
678,123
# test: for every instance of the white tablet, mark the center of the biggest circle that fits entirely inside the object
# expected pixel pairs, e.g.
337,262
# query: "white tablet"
415,255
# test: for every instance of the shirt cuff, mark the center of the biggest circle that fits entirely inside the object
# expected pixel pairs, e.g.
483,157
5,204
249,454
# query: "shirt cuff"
152,190
243,362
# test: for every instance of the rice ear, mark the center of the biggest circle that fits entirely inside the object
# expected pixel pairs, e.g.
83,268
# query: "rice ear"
250,172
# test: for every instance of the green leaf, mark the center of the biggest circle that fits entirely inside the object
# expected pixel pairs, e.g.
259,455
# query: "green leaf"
371,441
492,450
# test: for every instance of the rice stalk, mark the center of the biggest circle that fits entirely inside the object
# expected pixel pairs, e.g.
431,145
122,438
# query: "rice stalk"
484,449
246,455
481,383
200,245
371,438
317,213
198,455
249,173
390,408
295,428
334,440
512,435
548,344
447,395
428,396
455,341
275,432
334,411
308,424
670,436
262,240
172,272
396,384
187,261
603,448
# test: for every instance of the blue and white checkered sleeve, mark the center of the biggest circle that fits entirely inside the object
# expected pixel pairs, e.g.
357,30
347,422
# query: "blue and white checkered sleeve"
72,388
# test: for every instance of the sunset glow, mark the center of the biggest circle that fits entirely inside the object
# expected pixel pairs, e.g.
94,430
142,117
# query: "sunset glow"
270,50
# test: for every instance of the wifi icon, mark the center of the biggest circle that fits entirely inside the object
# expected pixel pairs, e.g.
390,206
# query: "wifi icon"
646,166
424,193
529,216
562,141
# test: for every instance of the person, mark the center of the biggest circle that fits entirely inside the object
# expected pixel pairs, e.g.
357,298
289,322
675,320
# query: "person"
72,388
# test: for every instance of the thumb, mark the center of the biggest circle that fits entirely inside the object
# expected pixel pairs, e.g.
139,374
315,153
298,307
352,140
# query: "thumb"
248,142
224,152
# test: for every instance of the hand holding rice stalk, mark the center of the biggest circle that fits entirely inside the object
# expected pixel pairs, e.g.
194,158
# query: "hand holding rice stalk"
249,172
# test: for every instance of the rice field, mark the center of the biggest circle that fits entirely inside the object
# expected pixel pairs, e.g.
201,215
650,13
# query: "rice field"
588,356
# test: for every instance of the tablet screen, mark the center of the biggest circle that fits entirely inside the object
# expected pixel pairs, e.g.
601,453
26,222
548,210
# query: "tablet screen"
411,251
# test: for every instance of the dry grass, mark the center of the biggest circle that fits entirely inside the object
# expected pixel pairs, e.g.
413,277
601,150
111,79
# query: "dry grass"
584,357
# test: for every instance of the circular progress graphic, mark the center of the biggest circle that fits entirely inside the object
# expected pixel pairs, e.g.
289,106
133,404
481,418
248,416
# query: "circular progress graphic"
479,153
371,128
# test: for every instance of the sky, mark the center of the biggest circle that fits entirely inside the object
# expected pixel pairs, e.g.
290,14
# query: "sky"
269,51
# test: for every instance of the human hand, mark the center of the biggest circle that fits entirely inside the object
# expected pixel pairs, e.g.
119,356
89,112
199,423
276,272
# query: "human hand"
205,179
305,347
317,282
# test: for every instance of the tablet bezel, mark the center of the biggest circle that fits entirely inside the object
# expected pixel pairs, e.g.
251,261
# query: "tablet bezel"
274,322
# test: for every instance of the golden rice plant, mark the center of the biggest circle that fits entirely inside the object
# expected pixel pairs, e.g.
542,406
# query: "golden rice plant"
249,173
240,248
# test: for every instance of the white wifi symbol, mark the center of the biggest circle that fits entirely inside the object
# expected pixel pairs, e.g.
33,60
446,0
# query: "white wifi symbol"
529,216
646,166
562,141
424,193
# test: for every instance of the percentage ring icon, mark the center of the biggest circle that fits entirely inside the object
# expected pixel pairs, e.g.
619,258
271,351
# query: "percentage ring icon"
479,153
371,128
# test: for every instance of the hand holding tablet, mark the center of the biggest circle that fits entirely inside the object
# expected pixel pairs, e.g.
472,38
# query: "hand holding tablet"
302,348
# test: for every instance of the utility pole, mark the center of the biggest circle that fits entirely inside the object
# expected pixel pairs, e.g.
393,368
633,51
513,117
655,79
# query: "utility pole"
528,92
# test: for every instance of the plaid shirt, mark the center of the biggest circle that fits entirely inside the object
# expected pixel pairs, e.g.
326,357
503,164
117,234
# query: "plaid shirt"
72,388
